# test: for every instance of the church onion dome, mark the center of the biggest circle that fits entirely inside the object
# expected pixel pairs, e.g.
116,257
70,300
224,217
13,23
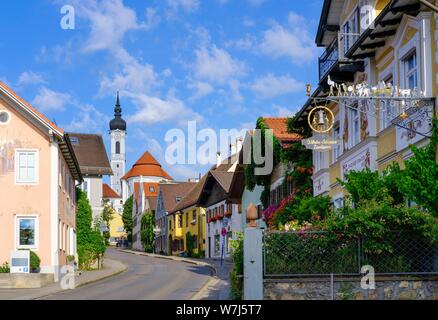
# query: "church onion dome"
118,123
147,166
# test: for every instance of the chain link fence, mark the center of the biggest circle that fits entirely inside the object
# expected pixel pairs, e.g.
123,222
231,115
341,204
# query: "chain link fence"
319,253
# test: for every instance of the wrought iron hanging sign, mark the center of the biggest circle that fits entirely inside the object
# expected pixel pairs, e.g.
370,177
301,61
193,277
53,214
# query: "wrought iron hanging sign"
321,121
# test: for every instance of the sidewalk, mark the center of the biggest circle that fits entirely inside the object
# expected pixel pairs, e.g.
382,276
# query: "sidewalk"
110,268
218,288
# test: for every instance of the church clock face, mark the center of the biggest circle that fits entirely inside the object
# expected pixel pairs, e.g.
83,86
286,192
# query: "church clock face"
117,136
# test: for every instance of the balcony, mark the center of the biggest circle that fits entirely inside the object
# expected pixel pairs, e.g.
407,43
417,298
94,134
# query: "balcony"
333,61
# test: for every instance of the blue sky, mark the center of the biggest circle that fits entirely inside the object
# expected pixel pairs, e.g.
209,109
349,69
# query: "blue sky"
223,63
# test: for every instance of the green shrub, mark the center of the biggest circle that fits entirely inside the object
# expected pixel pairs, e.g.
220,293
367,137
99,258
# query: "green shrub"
35,261
4,268
236,272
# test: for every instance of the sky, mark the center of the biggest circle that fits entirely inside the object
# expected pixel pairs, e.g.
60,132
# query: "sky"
222,63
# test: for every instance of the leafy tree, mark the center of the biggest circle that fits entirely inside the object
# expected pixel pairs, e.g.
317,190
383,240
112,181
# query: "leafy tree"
420,178
90,243
190,244
108,214
147,231
127,215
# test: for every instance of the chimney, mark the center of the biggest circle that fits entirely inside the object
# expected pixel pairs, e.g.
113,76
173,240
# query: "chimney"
218,159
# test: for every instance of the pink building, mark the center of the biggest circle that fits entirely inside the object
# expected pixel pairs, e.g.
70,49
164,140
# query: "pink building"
38,175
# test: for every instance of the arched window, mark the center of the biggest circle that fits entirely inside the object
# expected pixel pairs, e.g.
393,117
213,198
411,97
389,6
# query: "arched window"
117,147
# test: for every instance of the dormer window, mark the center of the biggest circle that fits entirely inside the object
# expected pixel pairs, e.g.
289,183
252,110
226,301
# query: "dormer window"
151,189
178,198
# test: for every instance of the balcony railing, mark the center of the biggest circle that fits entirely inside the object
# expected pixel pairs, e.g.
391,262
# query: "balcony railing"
335,52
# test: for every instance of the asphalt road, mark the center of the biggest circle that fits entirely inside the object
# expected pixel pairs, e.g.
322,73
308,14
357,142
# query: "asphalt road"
145,279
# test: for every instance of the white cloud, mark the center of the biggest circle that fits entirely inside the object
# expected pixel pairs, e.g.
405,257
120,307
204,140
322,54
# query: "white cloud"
201,88
217,65
30,78
270,86
152,18
47,99
153,110
293,41
133,76
110,21
184,5
283,112
85,120
61,54
246,43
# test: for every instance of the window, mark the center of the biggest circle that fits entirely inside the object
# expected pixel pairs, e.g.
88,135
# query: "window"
26,167
74,141
27,232
117,147
178,199
336,147
180,222
355,126
151,189
187,219
170,224
410,67
194,215
350,30
4,117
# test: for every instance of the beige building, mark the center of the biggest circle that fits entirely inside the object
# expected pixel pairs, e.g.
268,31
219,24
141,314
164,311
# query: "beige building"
38,175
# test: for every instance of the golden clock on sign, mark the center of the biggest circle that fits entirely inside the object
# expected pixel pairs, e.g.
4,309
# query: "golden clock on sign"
321,119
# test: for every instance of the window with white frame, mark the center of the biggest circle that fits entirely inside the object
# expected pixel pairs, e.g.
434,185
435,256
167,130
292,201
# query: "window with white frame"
27,232
336,147
410,71
355,125
26,166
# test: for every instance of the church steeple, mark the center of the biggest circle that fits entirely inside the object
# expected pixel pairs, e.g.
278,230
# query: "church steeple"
118,123
118,108
118,156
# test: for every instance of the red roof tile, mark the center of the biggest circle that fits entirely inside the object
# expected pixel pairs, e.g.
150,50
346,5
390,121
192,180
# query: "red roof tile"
147,166
107,192
279,128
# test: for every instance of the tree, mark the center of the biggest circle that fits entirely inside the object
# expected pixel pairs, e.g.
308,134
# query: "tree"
127,215
420,178
147,231
107,215
90,243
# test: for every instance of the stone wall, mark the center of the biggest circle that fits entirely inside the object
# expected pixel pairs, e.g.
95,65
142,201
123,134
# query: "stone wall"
25,281
387,288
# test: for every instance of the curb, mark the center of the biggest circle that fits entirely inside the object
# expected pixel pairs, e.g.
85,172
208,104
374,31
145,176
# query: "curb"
178,259
117,272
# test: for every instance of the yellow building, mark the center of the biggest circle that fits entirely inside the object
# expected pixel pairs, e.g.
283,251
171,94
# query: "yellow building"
116,228
187,217
374,48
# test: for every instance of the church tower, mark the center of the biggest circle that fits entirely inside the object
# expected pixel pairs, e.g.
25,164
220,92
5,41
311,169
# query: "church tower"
118,155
